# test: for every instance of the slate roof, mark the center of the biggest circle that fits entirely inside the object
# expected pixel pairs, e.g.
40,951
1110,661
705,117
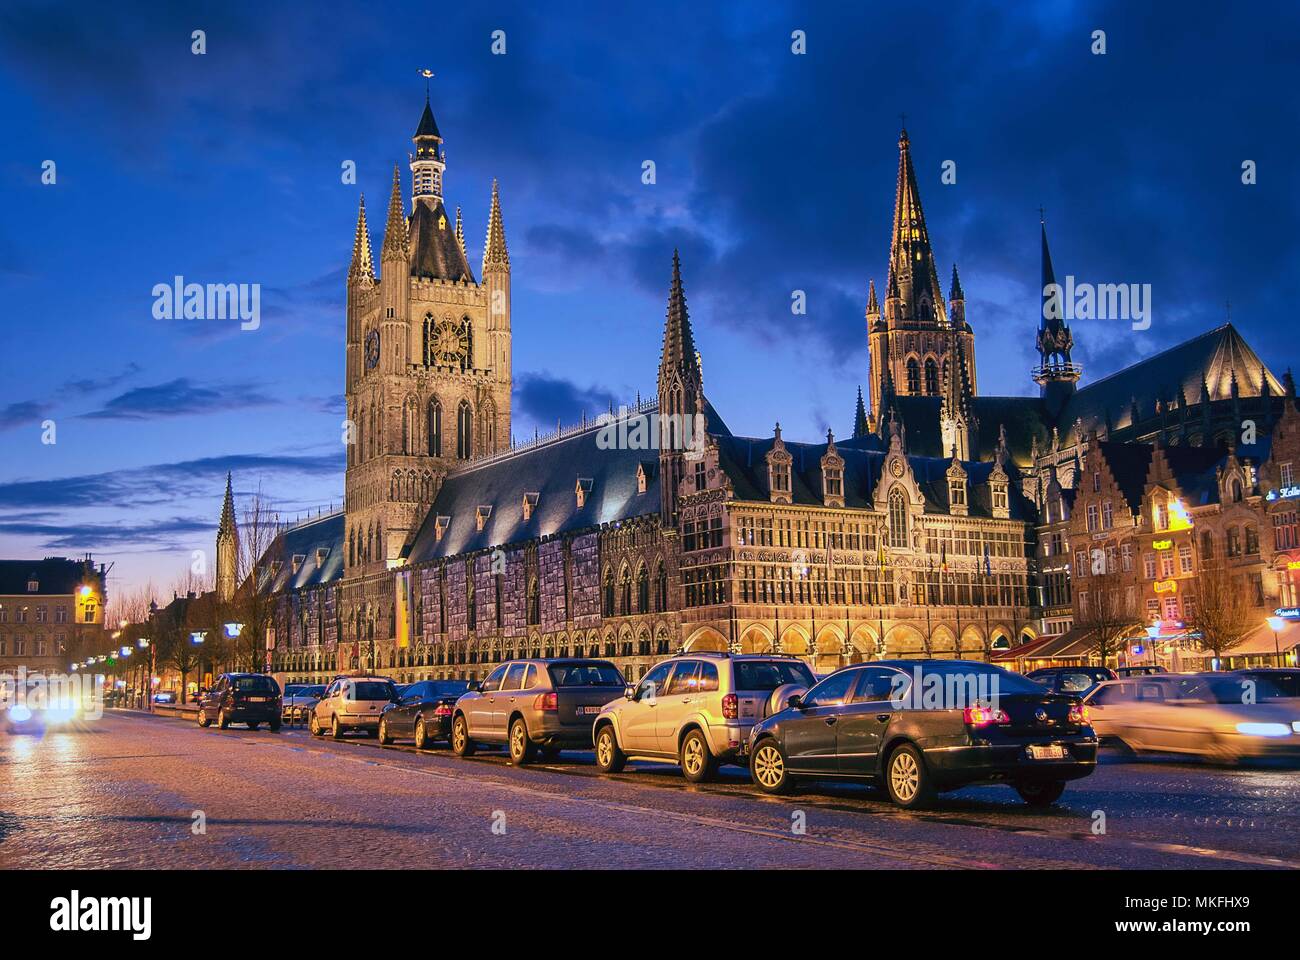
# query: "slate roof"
428,126
304,539
1129,463
435,251
744,461
56,575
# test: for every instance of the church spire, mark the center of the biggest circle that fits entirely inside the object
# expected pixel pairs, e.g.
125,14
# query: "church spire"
395,243
227,546
861,427
363,261
1057,374
911,258
494,249
227,525
873,305
681,396
460,233
679,354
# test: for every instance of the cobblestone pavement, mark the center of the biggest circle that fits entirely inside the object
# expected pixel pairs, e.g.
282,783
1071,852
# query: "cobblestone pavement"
132,791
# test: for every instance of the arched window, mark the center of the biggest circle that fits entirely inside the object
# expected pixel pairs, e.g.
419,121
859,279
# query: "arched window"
488,418
358,441
913,377
897,519
931,378
608,598
464,431
430,339
643,592
410,425
534,603
625,593
435,427
467,338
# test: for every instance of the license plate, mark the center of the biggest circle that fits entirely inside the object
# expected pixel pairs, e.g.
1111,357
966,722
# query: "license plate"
588,711
1050,751
257,699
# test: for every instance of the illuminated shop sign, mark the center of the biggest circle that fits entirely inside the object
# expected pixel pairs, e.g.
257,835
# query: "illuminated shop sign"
1288,613
1166,586
1162,544
1284,493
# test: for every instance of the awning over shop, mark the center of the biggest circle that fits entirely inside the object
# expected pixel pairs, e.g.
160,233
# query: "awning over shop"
1075,644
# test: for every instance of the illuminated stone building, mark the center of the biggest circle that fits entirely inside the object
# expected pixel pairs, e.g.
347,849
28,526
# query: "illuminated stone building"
47,608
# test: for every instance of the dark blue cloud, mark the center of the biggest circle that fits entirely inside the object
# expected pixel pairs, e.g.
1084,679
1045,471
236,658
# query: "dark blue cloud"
177,398
545,399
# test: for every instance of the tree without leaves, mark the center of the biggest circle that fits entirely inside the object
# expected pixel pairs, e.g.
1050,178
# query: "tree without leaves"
253,606
1111,613
1224,615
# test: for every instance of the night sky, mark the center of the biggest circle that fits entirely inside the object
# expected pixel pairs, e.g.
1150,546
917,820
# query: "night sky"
775,173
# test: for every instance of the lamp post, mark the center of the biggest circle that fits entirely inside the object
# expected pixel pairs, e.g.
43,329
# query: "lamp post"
1276,624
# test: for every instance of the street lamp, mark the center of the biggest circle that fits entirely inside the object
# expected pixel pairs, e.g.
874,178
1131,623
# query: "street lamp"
1276,624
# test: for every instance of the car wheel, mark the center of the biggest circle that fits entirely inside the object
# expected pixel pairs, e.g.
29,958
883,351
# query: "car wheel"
254,724
314,726
907,779
383,732
274,726
421,737
609,758
1041,793
697,761
336,731
522,749
222,720
767,767
461,744
203,719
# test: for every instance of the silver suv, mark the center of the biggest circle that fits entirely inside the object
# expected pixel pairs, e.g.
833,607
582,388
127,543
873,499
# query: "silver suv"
696,708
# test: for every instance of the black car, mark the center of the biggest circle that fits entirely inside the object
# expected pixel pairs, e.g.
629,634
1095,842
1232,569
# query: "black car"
1078,681
1285,681
924,726
422,711
251,698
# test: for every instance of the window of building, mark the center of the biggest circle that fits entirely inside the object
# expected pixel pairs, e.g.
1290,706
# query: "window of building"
435,428
931,378
1092,517
1126,557
913,377
1252,540
1153,609
464,431
1171,608
1184,558
1287,474
897,519
1166,563
1234,542
1207,545
1107,516
1149,566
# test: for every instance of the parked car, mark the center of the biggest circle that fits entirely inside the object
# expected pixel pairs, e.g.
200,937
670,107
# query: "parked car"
1076,680
1147,670
696,709
299,703
920,727
1219,716
534,706
352,703
423,711
1285,681
251,698
165,697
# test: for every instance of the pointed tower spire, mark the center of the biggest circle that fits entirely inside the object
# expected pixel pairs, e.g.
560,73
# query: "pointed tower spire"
911,257
227,546
395,241
1056,374
873,305
861,427
679,342
363,262
954,289
956,301
460,233
494,249
681,396
228,508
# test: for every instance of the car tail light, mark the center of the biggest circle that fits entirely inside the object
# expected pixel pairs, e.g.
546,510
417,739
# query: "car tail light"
442,710
730,707
550,702
1080,715
984,716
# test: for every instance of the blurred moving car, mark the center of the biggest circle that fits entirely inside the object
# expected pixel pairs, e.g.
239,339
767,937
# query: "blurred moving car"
423,711
352,703
165,697
251,698
1148,670
1076,680
924,726
535,706
41,707
1283,680
1218,716
297,706
696,709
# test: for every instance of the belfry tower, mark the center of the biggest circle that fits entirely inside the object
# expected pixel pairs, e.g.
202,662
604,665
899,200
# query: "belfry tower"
915,339
1057,374
428,378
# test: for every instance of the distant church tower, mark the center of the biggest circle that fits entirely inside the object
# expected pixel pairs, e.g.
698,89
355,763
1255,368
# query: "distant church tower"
428,357
1056,375
915,344
227,548
681,391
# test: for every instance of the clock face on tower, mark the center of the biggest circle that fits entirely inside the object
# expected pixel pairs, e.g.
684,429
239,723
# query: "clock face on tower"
372,349
450,345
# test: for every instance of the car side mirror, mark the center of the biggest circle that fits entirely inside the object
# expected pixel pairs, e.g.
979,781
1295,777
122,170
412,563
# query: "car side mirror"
795,701
630,691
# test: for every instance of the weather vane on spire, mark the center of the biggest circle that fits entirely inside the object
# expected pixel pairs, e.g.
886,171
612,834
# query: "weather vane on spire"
428,75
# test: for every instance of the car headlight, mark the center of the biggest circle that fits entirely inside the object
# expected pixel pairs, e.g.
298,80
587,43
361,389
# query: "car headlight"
20,713
1264,729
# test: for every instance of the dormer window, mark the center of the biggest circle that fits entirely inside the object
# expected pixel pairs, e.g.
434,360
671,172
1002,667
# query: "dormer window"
321,554
643,477
440,525
33,586
276,566
581,490
999,492
481,515
297,561
778,470
832,465
530,504
957,492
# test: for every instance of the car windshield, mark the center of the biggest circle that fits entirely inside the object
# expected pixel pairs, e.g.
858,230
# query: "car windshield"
447,688
292,690
254,684
767,675
585,675
979,673
372,690
310,691
1076,681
